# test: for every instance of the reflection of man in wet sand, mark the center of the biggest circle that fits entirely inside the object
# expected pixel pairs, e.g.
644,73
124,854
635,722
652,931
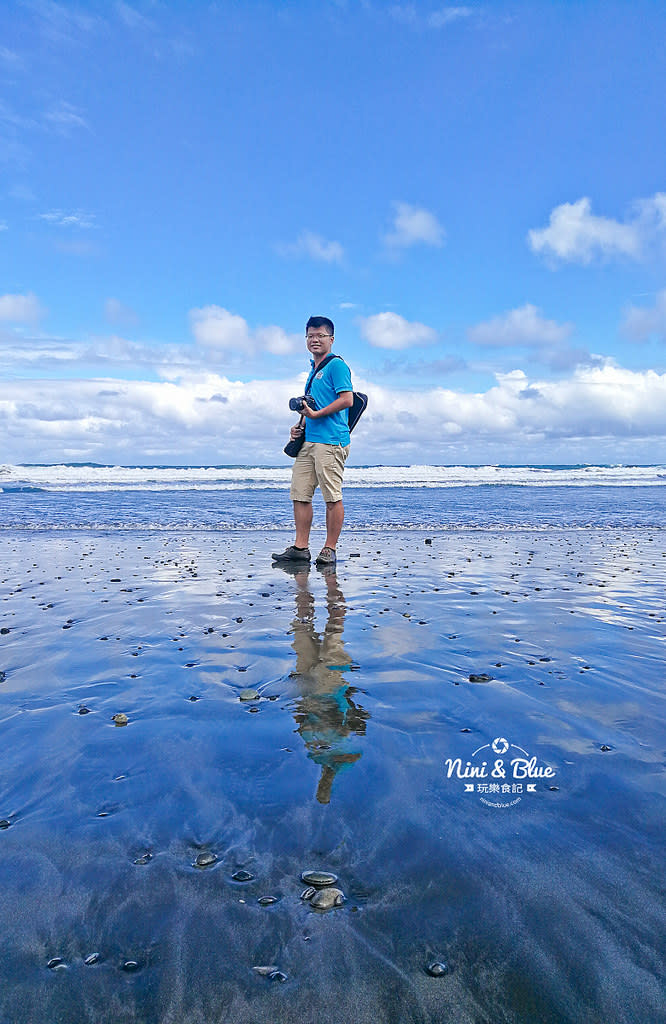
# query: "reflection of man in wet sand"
327,718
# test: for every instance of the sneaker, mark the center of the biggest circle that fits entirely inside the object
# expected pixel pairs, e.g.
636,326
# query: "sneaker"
325,557
292,554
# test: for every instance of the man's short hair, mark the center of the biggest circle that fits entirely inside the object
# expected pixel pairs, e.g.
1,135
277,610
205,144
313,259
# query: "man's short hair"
320,321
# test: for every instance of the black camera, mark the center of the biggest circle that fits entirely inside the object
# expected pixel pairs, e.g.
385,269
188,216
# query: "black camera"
296,404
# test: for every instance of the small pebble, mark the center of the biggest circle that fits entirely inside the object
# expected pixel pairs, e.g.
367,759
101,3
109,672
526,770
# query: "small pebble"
277,976
308,893
4,823
319,878
83,710
267,901
144,858
205,860
92,958
266,972
437,969
482,677
55,963
327,898
130,966
248,695
604,747
120,719
242,876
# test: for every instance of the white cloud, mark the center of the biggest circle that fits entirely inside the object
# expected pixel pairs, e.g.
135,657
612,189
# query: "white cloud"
217,329
409,15
4,226
443,17
74,219
20,308
642,323
413,225
221,337
133,18
405,13
576,235
390,330
21,351
314,247
112,420
16,351
202,416
593,407
276,341
64,118
10,58
520,327
117,312
63,23
651,213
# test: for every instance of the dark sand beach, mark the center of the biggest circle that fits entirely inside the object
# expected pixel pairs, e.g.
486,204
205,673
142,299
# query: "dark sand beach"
120,839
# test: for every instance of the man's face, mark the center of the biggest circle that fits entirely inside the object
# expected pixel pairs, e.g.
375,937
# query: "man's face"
319,342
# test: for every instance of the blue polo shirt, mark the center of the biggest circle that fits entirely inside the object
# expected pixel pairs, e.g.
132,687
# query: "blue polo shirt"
325,388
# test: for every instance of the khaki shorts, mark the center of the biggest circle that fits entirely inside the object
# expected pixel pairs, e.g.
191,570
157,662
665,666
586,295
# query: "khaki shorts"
318,464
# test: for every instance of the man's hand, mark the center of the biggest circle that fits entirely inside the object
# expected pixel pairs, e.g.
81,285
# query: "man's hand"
297,430
344,400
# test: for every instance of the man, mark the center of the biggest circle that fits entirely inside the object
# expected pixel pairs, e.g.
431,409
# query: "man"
322,458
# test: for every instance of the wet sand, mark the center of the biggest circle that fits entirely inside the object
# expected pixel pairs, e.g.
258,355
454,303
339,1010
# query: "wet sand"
371,685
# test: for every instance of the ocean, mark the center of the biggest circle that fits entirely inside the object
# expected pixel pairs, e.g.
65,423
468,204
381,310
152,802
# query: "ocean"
95,497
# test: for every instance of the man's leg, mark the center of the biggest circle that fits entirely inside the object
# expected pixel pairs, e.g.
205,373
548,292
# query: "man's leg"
303,521
303,483
335,517
330,468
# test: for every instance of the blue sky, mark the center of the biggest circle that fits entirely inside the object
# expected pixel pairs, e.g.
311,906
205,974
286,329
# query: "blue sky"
475,193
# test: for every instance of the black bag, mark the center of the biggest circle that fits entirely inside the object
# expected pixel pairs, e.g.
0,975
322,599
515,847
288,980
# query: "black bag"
356,410
294,445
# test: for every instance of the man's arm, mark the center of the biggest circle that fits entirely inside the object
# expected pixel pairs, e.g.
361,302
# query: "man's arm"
345,400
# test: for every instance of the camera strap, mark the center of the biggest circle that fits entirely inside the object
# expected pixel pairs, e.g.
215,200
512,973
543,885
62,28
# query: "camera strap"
360,400
315,371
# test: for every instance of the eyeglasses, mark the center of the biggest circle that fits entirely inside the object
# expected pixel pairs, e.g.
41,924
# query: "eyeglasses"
318,337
